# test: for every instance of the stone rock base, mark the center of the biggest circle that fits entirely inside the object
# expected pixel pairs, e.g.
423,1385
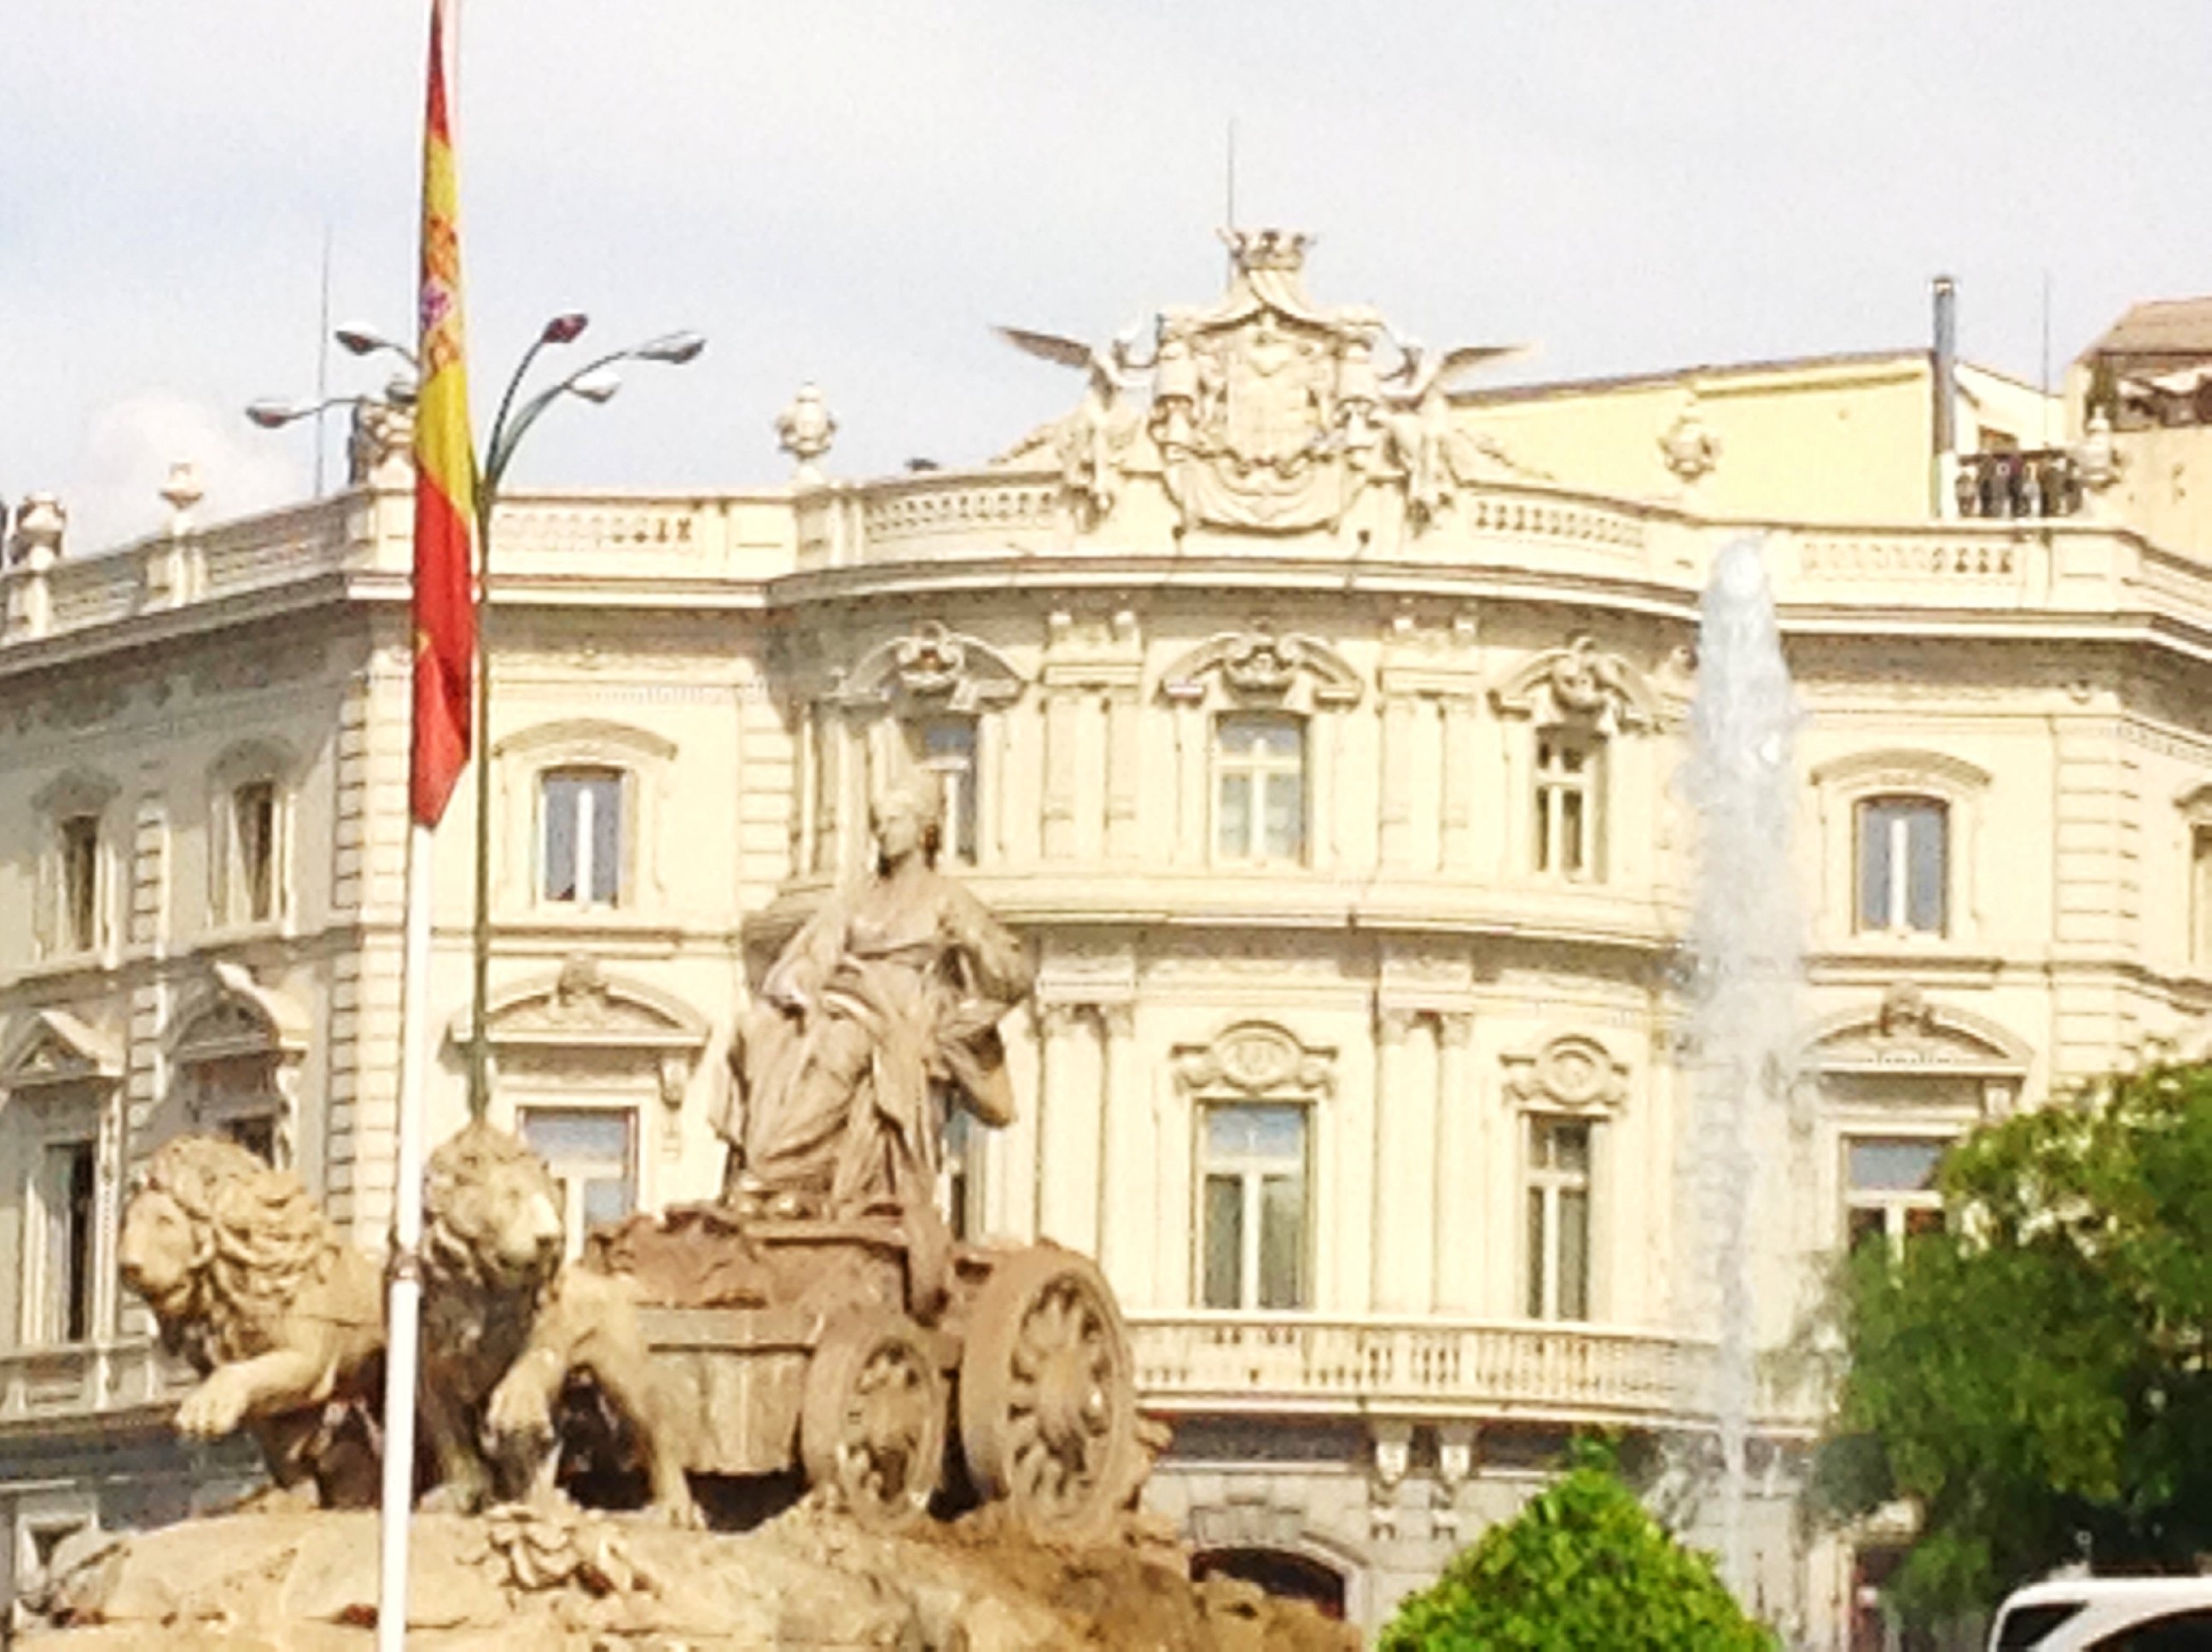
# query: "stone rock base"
559,1579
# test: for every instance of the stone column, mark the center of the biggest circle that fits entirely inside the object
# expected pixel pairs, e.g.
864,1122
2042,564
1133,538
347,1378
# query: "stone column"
1395,819
1462,1178
990,780
1191,800
1401,1264
1124,776
1062,726
1455,845
1324,799
1125,1154
1060,1169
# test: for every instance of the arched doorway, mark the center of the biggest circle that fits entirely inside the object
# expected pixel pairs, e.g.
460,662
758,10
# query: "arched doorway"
1294,1576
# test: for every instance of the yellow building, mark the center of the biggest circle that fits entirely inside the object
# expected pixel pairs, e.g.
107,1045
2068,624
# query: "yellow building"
1316,721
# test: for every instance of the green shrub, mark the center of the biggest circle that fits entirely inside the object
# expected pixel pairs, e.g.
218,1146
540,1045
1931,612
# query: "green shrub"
1584,1568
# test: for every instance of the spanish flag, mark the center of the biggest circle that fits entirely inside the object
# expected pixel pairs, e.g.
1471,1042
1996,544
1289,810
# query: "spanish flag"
445,476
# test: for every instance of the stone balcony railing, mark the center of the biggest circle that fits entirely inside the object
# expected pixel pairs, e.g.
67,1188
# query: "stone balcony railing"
1367,1366
940,527
79,1381
2035,482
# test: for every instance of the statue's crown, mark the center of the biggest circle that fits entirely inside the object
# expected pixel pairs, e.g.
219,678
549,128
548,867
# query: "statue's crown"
1269,249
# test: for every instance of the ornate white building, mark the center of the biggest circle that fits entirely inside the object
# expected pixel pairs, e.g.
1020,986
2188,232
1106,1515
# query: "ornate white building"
1315,719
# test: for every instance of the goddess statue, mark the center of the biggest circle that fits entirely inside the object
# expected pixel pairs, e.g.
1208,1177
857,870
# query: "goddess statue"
881,1012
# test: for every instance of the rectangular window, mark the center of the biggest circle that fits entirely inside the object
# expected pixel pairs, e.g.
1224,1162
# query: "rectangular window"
1253,1219
1260,787
1558,1219
592,1154
80,884
956,1178
65,1206
581,811
1904,856
1566,806
1890,1191
946,746
254,851
256,1132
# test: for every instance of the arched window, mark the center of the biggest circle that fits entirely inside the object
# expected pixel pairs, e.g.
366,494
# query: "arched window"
249,834
1897,845
78,866
581,803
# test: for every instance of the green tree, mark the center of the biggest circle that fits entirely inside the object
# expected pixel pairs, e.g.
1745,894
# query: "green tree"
1583,1568
2032,1379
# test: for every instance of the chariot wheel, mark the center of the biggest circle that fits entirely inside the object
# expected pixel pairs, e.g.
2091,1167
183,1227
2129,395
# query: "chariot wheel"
871,1424
1048,1394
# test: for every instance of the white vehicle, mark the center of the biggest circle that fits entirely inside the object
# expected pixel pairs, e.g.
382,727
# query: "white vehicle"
2108,1614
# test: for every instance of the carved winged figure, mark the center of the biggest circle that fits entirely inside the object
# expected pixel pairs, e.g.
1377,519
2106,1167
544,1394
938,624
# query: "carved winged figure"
1089,442
1436,456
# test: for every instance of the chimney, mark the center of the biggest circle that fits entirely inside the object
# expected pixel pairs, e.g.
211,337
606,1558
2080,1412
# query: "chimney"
1943,469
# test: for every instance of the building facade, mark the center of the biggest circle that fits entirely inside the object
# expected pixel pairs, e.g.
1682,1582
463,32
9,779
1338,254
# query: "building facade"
1318,723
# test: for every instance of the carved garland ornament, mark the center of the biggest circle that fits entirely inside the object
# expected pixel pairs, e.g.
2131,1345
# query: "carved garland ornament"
1579,686
1258,664
939,668
1257,1057
1574,1073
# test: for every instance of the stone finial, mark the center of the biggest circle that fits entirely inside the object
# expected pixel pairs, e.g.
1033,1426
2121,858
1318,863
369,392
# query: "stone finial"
2097,458
804,430
182,491
41,521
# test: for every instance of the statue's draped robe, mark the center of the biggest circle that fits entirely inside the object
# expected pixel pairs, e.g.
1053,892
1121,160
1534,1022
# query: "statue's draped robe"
844,1096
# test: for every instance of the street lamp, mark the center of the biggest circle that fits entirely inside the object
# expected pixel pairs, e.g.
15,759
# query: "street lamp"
595,382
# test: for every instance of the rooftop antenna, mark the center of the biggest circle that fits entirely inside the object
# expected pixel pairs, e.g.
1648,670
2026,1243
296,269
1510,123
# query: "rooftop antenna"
322,359
2045,384
1229,187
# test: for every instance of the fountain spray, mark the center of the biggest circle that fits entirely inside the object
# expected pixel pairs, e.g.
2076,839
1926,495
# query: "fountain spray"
1746,938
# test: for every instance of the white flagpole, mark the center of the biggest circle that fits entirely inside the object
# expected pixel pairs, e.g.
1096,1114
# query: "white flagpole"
403,1310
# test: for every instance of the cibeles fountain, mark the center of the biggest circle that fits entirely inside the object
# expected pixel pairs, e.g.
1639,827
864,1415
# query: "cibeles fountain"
1747,956
950,1427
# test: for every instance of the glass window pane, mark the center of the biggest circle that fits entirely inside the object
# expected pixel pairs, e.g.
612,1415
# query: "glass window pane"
1282,1240
1274,1134
608,1198
1224,1240
81,882
606,839
1574,1255
560,809
1920,1220
1894,1166
1864,1224
1234,826
1874,865
1571,1147
1924,852
1286,822
254,813
1570,832
1538,1262
578,1135
1236,736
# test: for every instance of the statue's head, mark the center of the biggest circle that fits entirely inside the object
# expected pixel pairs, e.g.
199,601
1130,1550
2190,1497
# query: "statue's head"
908,815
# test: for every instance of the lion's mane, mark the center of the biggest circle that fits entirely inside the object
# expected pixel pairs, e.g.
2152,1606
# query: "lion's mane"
267,1241
458,1209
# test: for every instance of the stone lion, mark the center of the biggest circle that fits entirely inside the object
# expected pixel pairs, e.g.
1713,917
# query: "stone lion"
506,1326
250,1283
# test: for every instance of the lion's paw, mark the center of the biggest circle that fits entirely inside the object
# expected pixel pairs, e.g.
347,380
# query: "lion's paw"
213,1409
519,1412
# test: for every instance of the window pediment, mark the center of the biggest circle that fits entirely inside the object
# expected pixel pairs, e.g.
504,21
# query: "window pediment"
1255,1059
1574,1073
75,791
53,1047
931,668
1907,1032
1935,773
1579,685
235,1015
586,739
1259,666
583,1006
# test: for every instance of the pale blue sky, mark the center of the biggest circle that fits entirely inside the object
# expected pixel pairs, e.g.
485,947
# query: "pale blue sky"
853,192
